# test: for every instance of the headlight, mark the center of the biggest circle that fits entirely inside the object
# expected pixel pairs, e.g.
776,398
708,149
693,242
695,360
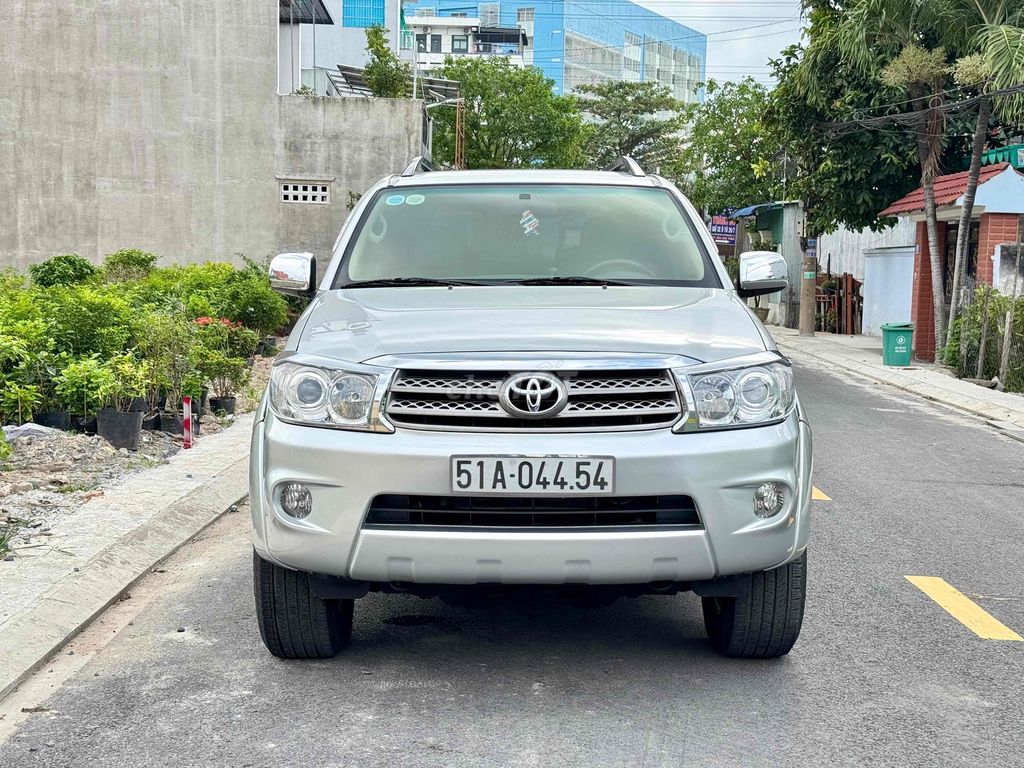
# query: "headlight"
737,393
322,393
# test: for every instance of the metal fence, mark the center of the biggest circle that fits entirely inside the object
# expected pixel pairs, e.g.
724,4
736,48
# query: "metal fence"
988,336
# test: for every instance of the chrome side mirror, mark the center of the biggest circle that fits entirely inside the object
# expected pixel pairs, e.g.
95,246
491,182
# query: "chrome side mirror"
293,274
762,272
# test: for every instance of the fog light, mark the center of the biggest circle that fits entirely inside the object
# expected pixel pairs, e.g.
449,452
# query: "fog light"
296,500
768,500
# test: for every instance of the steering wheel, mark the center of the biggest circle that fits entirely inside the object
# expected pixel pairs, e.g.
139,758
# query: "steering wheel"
629,265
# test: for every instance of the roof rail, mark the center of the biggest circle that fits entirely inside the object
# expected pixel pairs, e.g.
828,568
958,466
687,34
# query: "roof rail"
418,165
626,164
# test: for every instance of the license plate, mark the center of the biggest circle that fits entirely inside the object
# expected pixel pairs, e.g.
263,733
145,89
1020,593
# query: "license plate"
533,475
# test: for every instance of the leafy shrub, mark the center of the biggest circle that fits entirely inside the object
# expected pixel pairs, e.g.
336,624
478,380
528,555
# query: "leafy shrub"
167,341
66,269
84,385
5,447
131,379
249,299
128,264
83,320
18,401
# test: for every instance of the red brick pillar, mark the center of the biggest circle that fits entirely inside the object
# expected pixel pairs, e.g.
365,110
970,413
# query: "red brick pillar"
995,228
921,298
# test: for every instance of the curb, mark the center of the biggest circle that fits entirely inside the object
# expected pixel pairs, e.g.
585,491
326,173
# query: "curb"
1007,420
30,639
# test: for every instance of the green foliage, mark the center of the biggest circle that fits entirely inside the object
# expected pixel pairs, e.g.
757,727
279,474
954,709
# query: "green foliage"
167,342
128,264
641,120
84,385
66,269
842,178
82,319
961,353
736,156
18,401
227,375
248,299
5,453
513,119
386,76
130,379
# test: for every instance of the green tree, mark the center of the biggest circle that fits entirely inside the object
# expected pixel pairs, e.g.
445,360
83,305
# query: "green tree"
513,119
988,35
899,44
641,120
734,156
843,178
386,76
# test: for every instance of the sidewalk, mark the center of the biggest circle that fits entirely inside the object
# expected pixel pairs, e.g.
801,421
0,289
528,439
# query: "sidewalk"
111,541
862,355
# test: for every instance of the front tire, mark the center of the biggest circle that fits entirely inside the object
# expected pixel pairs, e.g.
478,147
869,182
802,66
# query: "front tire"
764,621
294,623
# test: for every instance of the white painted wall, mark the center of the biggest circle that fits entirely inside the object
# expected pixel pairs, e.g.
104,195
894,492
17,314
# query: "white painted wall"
846,247
888,282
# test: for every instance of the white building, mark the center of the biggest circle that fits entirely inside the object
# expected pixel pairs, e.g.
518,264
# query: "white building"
431,38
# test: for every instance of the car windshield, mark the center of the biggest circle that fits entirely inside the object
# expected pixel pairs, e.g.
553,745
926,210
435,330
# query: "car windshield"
510,233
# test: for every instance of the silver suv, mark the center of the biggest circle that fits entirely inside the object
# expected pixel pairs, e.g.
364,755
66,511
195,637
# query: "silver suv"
529,378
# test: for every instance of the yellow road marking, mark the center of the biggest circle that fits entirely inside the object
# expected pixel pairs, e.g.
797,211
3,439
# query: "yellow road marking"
818,495
963,609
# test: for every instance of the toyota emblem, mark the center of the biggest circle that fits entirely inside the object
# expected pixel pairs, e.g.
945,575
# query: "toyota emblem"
533,395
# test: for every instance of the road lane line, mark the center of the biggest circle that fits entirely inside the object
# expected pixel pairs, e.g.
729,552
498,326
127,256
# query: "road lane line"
963,609
818,495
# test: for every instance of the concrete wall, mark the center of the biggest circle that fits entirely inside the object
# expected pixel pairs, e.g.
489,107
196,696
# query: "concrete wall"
156,125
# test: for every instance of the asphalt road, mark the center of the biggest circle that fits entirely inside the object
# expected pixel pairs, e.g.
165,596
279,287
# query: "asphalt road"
881,675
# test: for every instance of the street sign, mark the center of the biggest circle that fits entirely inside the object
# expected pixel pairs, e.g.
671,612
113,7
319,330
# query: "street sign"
723,230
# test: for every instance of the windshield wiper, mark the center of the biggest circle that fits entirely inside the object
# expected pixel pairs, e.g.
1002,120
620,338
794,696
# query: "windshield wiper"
570,280
392,282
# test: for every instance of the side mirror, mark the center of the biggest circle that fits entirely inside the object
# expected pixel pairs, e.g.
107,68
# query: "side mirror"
293,274
762,272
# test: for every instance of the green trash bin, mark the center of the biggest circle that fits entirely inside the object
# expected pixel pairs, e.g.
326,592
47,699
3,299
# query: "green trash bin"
897,339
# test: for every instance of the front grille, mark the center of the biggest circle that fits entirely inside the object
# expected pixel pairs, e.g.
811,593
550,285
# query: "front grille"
641,399
402,511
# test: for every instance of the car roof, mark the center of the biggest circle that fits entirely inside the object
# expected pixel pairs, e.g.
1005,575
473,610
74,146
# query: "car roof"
525,176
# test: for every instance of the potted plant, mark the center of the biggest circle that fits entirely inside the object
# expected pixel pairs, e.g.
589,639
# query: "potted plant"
18,401
227,376
167,341
761,312
83,386
118,423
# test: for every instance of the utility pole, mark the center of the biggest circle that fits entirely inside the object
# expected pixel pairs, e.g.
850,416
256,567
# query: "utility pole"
808,281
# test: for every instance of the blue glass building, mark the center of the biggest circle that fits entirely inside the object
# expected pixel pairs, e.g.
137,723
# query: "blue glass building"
577,42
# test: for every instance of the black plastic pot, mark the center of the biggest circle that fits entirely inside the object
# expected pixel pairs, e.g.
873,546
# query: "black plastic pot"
120,428
83,424
151,421
138,404
55,419
225,405
175,424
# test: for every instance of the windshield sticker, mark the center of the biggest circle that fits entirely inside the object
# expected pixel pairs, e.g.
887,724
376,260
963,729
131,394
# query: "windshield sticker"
415,200
395,200
530,224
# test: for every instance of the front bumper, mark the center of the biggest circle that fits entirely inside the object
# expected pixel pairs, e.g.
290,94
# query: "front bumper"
345,470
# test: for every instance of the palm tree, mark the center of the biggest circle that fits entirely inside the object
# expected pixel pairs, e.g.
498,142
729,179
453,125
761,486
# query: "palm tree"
989,34
900,42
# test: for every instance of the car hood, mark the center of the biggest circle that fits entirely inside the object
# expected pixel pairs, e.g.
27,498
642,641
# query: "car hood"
360,324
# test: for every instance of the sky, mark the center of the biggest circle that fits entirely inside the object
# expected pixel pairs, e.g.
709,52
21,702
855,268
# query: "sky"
733,51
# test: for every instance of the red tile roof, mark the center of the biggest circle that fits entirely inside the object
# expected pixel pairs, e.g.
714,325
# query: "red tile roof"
947,190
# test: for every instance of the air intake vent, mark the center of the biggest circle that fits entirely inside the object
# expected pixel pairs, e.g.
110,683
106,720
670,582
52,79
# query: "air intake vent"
399,511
